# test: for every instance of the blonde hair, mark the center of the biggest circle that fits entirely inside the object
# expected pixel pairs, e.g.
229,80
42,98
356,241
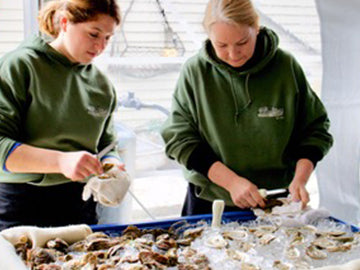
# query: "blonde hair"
76,11
238,12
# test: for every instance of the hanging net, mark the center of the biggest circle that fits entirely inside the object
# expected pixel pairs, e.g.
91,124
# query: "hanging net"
166,44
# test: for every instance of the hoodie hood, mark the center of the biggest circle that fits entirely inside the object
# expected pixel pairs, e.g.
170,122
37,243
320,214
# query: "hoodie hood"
40,45
266,46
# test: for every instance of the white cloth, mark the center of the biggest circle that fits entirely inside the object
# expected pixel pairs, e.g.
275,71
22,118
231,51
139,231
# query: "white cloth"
39,236
338,174
109,188
8,257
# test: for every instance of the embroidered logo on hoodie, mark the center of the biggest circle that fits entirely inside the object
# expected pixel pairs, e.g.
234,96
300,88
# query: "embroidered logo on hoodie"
273,112
97,111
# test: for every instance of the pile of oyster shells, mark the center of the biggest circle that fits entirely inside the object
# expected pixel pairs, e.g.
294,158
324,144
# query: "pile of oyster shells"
134,249
251,245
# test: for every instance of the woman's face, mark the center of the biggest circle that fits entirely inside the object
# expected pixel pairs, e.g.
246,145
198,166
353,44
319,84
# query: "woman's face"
82,42
233,44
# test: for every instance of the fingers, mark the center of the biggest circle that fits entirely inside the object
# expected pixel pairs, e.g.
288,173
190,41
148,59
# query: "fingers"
250,200
300,194
79,165
304,197
87,166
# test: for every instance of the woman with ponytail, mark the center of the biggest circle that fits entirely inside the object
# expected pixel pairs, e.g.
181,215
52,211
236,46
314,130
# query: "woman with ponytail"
56,115
243,115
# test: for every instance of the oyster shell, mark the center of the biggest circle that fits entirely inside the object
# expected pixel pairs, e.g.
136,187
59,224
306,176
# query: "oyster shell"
292,253
266,239
315,253
249,266
281,266
236,255
216,241
236,235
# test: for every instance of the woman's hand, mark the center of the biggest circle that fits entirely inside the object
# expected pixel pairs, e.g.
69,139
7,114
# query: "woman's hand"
298,192
79,165
297,189
245,194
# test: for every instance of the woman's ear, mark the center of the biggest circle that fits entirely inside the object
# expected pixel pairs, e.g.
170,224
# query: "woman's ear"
63,23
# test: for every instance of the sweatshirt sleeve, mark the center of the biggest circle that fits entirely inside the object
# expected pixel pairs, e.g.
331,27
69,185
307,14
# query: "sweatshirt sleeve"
180,130
202,158
312,138
12,106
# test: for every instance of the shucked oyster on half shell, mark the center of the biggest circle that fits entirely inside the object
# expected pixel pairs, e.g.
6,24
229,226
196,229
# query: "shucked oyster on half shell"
315,253
236,235
216,241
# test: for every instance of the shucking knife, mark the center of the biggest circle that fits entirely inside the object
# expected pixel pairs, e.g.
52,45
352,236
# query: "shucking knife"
107,149
274,193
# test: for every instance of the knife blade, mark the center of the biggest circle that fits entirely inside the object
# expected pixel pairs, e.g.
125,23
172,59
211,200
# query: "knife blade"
274,193
107,149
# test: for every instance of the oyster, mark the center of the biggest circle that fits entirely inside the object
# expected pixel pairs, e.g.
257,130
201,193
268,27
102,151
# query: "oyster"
216,241
40,256
96,235
323,242
98,243
339,248
261,230
57,244
266,239
292,253
236,235
281,266
165,242
249,266
236,255
343,239
297,239
48,267
184,241
315,253
193,232
301,265
132,232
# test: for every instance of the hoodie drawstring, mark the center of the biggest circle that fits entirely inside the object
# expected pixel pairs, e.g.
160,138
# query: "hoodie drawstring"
238,110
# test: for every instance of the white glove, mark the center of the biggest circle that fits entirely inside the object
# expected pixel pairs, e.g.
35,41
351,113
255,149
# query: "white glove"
39,236
108,188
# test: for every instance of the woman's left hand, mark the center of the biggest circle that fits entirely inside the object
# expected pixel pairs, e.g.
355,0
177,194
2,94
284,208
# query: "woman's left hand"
303,170
299,193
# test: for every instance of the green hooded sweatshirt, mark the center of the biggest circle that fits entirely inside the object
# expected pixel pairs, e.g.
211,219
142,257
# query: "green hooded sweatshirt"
49,102
256,120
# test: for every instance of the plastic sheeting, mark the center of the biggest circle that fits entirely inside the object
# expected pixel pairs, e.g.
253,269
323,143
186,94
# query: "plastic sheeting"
338,173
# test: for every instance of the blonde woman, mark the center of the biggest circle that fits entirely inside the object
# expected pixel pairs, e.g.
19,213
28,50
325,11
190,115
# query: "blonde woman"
243,115
56,115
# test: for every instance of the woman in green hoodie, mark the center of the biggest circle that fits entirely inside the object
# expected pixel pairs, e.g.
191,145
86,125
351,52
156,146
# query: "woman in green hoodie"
243,115
56,115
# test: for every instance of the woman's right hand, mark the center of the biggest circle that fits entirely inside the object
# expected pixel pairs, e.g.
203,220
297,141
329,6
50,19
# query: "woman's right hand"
245,194
79,165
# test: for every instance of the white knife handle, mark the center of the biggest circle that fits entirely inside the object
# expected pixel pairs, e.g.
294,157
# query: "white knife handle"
217,211
263,192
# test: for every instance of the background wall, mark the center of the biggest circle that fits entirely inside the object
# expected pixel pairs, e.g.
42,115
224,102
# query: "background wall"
11,24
